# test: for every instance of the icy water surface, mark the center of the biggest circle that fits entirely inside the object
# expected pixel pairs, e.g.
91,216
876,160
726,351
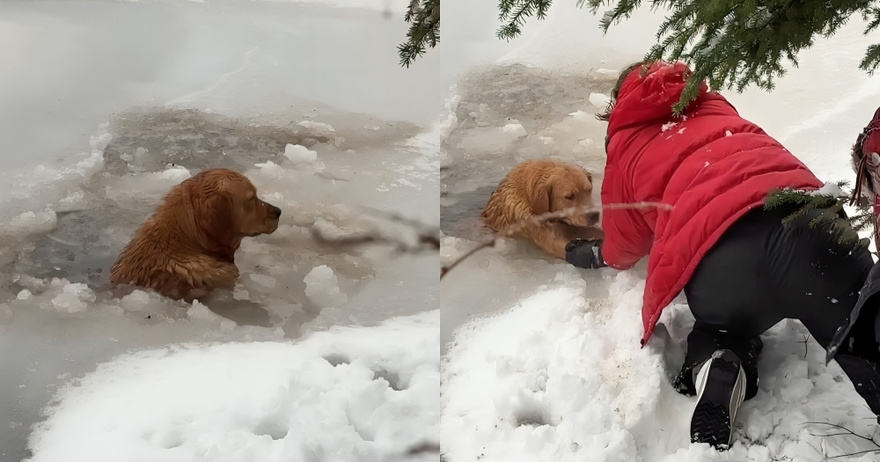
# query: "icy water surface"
506,114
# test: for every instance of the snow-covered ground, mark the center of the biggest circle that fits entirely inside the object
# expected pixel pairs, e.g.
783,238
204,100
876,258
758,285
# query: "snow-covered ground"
324,351
541,361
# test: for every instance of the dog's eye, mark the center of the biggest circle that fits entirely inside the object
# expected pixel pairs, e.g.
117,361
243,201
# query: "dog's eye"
569,196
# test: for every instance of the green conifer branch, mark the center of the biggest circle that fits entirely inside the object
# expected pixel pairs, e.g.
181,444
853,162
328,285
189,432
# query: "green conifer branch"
514,13
424,30
844,228
734,43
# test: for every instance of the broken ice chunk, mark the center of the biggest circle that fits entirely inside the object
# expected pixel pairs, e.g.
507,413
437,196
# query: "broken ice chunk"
322,287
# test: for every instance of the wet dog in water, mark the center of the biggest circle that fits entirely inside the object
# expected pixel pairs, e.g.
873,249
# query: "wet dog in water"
536,187
187,248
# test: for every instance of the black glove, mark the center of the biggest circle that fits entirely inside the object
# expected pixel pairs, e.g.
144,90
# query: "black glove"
585,253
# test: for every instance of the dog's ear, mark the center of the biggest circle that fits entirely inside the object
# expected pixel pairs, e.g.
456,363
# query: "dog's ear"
217,210
216,223
542,198
589,175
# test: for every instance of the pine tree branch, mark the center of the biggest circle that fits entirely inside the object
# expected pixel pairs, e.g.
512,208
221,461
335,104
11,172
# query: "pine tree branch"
424,31
831,214
734,44
514,14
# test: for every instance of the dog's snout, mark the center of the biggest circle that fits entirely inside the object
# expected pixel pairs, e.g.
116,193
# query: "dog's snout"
275,212
593,217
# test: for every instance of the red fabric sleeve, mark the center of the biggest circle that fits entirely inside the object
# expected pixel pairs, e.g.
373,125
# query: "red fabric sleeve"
628,237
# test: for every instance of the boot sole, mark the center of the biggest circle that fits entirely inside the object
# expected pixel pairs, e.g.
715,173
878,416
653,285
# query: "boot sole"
711,422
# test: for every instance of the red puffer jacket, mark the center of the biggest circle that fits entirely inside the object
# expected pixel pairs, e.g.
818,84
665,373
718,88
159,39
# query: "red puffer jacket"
711,165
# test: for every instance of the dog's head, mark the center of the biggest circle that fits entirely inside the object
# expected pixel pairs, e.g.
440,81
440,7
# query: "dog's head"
221,207
567,187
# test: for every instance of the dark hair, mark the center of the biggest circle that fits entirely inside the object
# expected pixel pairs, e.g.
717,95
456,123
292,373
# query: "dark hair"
604,116
860,165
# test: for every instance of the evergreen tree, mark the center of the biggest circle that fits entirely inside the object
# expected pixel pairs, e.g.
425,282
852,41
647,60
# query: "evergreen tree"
424,30
729,43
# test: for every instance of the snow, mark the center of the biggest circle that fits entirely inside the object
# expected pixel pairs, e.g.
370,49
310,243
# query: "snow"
322,287
510,391
299,154
515,129
30,222
829,188
336,342
600,100
72,298
541,361
346,394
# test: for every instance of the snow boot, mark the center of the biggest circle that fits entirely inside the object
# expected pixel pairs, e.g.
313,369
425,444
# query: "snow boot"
721,388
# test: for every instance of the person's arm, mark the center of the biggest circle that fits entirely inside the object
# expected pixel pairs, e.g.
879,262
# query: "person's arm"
628,237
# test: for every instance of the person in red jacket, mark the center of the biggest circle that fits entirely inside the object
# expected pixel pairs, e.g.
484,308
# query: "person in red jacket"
740,268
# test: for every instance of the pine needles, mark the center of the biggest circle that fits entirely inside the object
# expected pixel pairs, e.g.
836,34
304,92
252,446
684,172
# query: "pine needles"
831,212
729,43
424,31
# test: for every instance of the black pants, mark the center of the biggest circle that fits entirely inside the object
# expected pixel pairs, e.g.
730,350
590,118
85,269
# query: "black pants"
761,272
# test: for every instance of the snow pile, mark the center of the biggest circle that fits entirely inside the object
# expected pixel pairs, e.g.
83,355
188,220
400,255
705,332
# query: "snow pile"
29,222
348,394
58,294
299,154
514,128
829,189
73,297
150,184
561,376
322,288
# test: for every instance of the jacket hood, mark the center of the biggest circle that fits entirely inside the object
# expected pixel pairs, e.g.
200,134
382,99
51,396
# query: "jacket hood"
643,99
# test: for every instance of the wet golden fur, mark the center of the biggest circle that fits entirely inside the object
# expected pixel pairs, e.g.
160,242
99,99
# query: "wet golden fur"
187,247
536,187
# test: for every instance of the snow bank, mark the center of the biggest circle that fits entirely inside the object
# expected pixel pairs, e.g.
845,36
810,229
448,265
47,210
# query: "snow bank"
347,394
562,377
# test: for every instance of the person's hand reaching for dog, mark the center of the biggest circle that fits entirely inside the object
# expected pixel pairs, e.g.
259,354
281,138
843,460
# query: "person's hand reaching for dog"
585,253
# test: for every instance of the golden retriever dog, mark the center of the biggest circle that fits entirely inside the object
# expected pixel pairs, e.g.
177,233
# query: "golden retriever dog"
187,248
536,187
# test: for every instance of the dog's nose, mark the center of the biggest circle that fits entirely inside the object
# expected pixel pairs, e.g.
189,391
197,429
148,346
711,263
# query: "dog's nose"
593,217
274,211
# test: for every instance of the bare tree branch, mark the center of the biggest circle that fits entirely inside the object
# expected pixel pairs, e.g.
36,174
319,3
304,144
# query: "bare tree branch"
538,219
